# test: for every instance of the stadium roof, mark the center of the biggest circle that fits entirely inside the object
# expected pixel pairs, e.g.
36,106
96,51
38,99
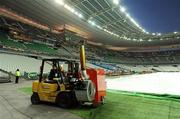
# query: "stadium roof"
101,21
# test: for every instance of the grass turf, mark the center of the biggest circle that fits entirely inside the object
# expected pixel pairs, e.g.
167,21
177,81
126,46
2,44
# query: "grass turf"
126,105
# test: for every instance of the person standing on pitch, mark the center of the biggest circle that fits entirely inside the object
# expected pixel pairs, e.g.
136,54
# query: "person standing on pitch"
18,74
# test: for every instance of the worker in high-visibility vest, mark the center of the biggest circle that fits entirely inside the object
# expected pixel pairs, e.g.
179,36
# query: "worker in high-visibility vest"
18,74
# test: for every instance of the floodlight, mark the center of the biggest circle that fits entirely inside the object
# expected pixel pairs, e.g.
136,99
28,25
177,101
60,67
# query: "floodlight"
116,2
122,9
61,2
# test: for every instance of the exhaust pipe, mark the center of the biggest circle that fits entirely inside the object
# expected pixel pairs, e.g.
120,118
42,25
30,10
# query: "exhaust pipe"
87,93
83,62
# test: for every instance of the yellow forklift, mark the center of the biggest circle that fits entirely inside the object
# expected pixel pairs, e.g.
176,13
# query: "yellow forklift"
67,84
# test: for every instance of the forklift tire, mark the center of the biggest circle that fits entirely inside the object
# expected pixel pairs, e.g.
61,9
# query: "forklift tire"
74,102
35,98
64,100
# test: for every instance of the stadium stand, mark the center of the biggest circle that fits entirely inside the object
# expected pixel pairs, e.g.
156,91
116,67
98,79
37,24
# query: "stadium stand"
22,37
37,47
7,42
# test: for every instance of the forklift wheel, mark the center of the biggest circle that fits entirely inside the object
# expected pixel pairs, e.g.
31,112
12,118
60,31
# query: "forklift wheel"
35,98
64,100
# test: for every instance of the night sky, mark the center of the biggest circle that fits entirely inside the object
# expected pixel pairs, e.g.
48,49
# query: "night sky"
155,15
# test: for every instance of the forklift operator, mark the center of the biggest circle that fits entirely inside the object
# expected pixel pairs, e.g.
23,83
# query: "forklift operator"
53,73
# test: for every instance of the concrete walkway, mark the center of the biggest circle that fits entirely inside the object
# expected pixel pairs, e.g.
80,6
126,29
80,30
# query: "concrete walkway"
16,105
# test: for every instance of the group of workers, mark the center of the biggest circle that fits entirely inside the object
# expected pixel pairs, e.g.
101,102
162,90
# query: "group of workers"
60,73
54,73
